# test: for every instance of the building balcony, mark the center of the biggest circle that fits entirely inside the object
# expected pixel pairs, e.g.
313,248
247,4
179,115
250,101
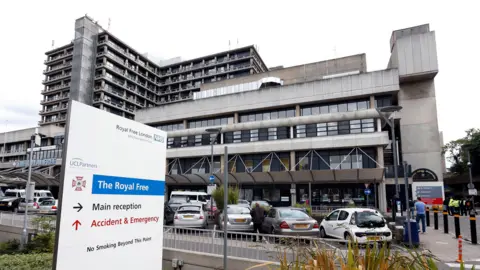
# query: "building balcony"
179,90
54,110
54,99
56,78
58,58
57,68
55,89
120,106
56,120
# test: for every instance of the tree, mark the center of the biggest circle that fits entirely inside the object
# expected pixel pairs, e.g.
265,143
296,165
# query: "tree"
233,195
457,151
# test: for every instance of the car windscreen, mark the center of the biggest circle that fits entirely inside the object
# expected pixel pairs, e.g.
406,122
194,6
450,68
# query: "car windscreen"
233,210
291,214
48,202
189,209
369,219
178,200
10,194
261,203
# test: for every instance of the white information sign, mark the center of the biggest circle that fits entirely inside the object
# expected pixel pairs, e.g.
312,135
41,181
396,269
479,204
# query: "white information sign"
111,213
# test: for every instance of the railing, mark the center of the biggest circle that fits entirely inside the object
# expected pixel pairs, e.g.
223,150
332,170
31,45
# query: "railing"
243,245
16,220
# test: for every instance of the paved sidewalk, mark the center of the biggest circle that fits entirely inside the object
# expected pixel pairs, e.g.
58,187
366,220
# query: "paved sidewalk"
445,247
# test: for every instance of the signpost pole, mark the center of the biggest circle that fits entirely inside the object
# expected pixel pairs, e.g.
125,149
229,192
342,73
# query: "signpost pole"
28,192
225,202
409,228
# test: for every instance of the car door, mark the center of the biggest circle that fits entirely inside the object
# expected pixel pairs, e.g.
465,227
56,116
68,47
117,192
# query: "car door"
330,221
268,221
341,224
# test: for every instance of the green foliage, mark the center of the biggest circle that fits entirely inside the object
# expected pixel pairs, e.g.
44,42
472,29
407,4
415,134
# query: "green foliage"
233,196
456,150
9,247
27,261
307,207
44,241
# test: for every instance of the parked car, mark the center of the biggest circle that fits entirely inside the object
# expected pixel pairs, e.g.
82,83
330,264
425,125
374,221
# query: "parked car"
290,221
9,204
33,206
18,193
190,216
168,214
361,225
48,207
244,203
238,219
193,196
174,203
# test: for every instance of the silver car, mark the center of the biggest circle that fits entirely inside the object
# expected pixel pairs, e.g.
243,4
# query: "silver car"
48,207
190,216
239,219
290,221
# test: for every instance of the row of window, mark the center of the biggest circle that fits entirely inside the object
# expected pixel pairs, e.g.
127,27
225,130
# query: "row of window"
266,162
267,115
189,141
336,107
211,122
262,134
335,128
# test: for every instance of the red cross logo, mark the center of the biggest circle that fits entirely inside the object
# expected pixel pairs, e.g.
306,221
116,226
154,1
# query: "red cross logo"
78,183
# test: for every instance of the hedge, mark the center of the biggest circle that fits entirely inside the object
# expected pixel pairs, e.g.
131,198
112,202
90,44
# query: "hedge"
41,261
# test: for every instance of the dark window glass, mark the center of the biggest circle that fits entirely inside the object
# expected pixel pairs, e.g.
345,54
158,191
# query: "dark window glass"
311,130
344,127
263,134
245,135
283,133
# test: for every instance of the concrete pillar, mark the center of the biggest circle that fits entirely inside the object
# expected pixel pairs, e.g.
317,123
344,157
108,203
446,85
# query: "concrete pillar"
292,134
235,118
372,102
382,189
292,161
297,110
222,164
379,125
293,195
221,137
185,123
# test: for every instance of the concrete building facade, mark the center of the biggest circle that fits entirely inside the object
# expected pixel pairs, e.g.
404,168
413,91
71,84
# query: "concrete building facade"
99,69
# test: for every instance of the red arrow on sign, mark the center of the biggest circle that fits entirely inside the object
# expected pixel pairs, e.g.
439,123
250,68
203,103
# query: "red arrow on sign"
76,223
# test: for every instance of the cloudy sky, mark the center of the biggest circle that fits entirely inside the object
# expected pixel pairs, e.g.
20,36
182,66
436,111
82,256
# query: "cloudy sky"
286,32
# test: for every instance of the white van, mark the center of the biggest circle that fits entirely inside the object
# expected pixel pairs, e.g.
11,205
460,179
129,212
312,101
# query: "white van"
18,193
43,194
194,196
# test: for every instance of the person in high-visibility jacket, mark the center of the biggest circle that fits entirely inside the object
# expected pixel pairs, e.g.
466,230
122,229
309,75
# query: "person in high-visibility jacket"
456,207
450,206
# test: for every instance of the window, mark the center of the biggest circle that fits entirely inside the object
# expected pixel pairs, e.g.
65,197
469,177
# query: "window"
271,213
343,127
342,107
322,129
355,126
368,125
332,128
272,133
210,122
267,115
343,215
333,216
335,161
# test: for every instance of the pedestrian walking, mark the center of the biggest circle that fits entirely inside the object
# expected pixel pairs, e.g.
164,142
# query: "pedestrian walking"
420,208
258,215
463,209
451,206
445,204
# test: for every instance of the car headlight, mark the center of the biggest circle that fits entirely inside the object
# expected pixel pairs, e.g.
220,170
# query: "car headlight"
10,204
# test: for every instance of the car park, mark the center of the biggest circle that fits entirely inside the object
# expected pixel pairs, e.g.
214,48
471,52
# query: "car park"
238,219
190,216
361,225
290,221
48,207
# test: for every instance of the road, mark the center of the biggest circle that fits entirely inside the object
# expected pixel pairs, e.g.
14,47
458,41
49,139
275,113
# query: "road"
464,225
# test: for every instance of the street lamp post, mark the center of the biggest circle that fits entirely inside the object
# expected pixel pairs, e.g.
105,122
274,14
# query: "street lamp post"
35,140
391,123
214,134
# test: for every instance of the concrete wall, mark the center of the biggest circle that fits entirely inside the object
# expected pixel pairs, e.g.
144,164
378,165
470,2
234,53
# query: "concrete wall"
347,87
83,64
301,73
25,134
202,261
9,233
419,126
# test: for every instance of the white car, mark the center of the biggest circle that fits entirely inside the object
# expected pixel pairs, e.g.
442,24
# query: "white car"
360,225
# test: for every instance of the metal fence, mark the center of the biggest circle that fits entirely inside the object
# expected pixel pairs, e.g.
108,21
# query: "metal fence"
245,245
16,220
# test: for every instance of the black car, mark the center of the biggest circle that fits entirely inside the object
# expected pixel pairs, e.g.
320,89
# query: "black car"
174,203
9,204
168,215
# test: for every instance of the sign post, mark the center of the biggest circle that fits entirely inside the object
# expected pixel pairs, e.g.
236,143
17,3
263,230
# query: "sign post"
111,193
432,193
367,192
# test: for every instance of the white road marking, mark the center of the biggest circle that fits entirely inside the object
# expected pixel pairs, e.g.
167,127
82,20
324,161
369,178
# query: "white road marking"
441,243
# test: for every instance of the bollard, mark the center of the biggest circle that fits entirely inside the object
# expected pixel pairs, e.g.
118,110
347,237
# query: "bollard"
460,255
435,219
427,216
445,221
473,228
457,225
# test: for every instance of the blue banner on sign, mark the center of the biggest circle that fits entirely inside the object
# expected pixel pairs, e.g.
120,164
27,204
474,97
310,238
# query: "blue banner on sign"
116,185
367,191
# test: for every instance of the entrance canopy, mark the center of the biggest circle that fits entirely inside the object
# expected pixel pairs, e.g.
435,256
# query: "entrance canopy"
285,177
20,176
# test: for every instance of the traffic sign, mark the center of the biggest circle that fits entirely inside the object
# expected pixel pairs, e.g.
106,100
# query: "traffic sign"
470,186
112,193
472,192
367,191
212,178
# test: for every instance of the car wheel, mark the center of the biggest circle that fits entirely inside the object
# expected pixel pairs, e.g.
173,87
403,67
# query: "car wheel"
323,234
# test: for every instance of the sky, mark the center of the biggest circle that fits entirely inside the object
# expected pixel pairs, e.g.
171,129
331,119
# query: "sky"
285,32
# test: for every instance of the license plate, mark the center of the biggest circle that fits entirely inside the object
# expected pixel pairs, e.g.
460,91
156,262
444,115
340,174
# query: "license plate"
2,204
240,220
373,238
300,226
43,212
188,216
